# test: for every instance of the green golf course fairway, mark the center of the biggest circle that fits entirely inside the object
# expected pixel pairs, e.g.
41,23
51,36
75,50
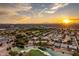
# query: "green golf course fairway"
35,53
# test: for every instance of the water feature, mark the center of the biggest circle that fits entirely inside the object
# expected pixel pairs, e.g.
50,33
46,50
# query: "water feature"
54,53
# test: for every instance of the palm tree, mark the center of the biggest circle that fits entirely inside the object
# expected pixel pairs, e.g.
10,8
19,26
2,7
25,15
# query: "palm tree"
40,41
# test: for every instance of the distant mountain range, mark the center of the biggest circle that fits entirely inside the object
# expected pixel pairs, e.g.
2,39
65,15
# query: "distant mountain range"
27,26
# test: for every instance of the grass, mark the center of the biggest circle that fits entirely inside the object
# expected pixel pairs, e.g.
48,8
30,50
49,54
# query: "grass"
35,53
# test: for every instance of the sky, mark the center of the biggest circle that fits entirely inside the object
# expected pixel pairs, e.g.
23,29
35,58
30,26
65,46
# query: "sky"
38,13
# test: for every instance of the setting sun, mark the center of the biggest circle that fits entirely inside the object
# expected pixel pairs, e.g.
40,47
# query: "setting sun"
66,21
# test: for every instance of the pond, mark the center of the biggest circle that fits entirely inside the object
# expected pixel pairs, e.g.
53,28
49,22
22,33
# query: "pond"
54,53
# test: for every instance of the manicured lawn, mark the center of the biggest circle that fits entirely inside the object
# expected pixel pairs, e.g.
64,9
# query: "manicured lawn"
35,53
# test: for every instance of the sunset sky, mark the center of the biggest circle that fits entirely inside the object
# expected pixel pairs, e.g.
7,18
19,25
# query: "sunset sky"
38,13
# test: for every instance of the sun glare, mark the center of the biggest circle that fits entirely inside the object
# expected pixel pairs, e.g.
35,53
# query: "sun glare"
66,21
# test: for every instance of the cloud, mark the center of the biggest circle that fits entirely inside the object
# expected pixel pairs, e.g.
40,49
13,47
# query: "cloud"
16,20
40,13
9,13
21,13
56,7
12,9
50,10
3,13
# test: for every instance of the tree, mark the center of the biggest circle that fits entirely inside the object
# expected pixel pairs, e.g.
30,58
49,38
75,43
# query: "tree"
8,48
13,53
0,44
20,54
76,53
